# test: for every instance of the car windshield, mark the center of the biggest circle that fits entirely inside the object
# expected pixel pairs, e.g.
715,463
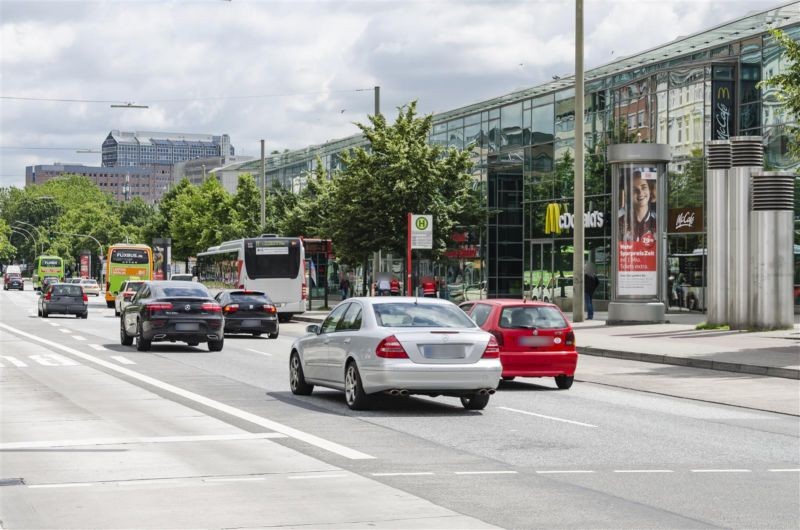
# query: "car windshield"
67,290
412,315
529,317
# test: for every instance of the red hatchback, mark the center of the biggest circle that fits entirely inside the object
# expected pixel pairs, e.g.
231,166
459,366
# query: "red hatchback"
535,338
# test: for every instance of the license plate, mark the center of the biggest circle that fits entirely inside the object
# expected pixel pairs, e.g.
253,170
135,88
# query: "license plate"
187,327
251,323
443,351
535,341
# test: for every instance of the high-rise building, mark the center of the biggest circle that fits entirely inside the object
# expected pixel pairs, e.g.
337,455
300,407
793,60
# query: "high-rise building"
144,148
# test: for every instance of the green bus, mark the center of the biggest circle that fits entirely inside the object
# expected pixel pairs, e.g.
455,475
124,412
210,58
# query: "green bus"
46,267
126,261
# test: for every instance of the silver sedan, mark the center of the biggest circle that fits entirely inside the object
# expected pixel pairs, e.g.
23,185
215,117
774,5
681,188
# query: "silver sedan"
397,346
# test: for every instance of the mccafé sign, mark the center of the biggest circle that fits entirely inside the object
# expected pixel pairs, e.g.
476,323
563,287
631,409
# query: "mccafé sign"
685,220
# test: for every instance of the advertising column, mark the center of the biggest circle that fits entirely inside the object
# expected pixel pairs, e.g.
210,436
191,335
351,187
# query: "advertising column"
162,254
86,264
638,235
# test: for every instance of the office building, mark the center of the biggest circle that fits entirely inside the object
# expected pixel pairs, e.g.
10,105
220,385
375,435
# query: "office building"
143,148
123,183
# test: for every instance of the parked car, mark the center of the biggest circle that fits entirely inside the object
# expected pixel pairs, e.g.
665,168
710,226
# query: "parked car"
13,280
535,338
90,286
399,346
63,299
125,294
172,311
182,278
248,312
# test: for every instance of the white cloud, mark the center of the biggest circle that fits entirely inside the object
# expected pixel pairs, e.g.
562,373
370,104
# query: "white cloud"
446,53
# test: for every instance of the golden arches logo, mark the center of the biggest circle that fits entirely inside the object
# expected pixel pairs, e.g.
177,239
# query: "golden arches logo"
723,92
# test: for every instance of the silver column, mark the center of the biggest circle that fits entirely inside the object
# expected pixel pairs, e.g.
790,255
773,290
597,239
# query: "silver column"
771,250
718,156
747,157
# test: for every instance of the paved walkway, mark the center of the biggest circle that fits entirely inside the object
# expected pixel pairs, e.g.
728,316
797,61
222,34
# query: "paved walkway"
773,353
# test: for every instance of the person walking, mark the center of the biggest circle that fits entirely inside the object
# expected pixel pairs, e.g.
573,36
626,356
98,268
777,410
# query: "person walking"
394,286
590,283
429,288
344,286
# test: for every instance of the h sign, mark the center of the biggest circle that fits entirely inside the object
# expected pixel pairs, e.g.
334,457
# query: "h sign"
421,231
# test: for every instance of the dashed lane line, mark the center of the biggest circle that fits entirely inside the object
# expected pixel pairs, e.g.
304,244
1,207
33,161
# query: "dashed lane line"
236,479
260,352
485,472
407,474
78,337
311,439
565,471
98,347
547,417
122,360
49,444
643,471
785,470
314,477
720,470
65,330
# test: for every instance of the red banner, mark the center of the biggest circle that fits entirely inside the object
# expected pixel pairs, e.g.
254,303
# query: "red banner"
84,266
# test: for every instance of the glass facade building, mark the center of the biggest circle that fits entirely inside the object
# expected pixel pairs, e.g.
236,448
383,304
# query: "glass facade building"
685,93
136,149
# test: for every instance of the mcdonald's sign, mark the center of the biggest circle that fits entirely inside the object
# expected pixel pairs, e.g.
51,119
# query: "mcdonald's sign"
723,105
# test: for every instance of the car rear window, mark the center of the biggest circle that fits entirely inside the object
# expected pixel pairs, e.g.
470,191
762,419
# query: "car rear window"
528,317
249,299
67,290
180,292
411,315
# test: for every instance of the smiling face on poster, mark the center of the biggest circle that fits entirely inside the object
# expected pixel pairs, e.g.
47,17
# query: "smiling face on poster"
637,232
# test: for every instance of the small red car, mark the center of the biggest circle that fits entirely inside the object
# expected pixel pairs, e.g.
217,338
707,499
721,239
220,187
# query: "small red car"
535,338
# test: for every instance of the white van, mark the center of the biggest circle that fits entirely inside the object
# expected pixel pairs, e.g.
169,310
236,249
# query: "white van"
13,269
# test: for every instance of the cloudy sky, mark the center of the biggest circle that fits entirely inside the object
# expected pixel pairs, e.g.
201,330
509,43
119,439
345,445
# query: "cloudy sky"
297,72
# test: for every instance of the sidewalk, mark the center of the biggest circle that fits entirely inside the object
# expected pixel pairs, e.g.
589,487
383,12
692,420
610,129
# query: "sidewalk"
771,353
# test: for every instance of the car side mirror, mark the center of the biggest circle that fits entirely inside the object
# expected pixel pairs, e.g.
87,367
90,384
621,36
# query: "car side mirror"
313,329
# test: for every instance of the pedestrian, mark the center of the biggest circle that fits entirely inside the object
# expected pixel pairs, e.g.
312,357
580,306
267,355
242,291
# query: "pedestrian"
384,287
429,288
394,286
590,283
344,286
679,289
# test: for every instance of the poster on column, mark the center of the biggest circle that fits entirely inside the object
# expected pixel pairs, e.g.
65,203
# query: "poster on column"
637,250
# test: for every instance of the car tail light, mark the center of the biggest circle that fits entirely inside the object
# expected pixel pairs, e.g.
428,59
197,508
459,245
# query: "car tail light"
230,308
390,348
498,335
570,340
48,296
268,308
492,350
85,298
304,292
212,307
159,306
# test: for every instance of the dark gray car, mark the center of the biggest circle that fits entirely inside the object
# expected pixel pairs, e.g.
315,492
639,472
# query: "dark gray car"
63,299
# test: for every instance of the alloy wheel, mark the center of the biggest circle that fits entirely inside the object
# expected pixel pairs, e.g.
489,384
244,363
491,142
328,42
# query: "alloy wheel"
350,385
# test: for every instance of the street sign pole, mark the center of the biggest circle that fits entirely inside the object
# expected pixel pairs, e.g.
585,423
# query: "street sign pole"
408,255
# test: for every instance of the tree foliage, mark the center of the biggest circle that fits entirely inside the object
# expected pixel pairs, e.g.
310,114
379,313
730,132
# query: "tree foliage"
787,84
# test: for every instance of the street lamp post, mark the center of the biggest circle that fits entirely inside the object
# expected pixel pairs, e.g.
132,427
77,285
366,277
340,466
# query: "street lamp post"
27,238
35,242
42,238
100,256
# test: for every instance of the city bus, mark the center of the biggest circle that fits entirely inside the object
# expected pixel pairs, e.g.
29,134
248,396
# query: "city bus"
45,267
126,261
271,264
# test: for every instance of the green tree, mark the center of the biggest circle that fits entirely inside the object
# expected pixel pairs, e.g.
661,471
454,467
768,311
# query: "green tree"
308,216
279,203
247,205
787,84
202,217
400,173
7,250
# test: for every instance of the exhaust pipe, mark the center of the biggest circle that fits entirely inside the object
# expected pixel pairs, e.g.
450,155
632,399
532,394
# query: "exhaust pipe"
491,391
403,392
394,392
482,392
159,336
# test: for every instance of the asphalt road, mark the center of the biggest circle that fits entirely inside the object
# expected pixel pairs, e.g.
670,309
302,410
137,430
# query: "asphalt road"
97,435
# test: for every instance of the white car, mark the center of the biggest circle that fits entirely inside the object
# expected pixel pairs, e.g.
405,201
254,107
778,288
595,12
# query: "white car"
90,286
397,346
125,294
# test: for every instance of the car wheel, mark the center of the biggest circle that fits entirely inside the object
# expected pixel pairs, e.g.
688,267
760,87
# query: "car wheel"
44,313
192,343
110,305
215,345
283,317
85,314
273,335
564,381
475,401
124,338
509,377
297,381
142,344
116,313
354,394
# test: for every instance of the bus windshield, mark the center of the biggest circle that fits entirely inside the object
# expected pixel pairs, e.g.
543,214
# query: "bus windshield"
50,262
272,258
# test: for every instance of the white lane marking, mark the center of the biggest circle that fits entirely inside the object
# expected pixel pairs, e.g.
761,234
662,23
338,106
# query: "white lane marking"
566,471
16,362
98,347
145,481
78,337
410,474
485,472
307,477
237,479
261,352
311,439
548,417
52,359
720,471
65,330
784,470
643,471
55,324
140,440
122,360
65,485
